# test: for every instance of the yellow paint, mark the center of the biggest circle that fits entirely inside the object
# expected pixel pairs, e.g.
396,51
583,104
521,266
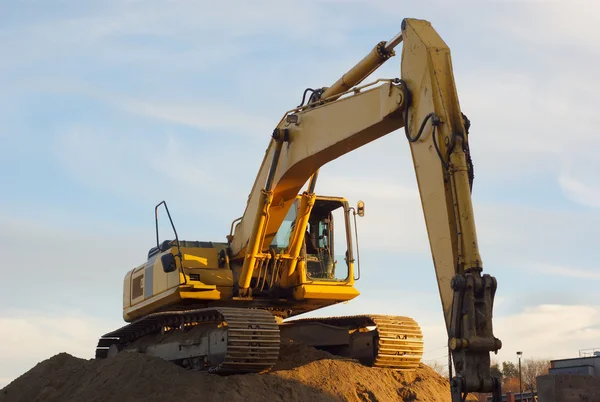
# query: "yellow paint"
201,260
195,290
307,201
201,295
150,305
196,257
445,194
256,239
325,292
209,276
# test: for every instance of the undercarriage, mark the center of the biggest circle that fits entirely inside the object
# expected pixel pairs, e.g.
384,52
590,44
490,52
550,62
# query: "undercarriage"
239,340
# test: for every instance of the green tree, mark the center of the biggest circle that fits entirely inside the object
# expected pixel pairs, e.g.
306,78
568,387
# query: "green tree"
495,371
510,370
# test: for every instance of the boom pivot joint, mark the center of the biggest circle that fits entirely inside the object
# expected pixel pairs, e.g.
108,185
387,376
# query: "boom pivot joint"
281,134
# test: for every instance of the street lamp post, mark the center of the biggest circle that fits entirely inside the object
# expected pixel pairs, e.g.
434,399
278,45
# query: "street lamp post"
520,381
532,390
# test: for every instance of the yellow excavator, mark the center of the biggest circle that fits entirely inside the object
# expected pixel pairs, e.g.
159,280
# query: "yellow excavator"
225,307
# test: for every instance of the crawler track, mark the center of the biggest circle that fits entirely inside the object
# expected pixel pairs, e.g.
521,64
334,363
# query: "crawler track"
252,336
398,340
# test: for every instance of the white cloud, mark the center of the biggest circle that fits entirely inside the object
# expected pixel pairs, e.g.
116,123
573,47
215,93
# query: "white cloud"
30,336
194,21
146,168
205,116
63,264
552,23
572,272
542,331
578,180
549,331
521,127
101,161
212,117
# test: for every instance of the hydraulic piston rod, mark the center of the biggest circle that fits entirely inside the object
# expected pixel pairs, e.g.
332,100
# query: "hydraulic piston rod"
371,62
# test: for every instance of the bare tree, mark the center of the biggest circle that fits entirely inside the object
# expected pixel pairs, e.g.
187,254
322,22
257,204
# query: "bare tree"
531,369
440,368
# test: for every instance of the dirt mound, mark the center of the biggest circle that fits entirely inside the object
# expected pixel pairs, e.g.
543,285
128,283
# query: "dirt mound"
302,374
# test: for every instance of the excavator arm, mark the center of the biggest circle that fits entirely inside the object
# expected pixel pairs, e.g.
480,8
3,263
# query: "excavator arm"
437,131
344,117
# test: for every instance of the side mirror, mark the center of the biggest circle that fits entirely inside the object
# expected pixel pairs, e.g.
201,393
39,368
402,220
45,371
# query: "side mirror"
360,209
168,262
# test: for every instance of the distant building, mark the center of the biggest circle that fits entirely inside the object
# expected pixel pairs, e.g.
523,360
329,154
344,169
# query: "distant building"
585,364
578,377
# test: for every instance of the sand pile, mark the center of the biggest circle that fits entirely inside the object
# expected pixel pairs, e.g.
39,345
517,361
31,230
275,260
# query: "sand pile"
302,374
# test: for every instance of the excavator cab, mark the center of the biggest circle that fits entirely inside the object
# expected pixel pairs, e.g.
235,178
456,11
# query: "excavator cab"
327,244
327,241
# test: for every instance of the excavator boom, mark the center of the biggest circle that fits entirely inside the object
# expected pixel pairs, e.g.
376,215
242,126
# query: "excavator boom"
425,103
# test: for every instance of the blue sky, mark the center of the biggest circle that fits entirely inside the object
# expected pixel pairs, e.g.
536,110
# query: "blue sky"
108,109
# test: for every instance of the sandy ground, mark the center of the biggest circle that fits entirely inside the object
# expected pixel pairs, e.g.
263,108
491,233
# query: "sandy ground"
301,374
